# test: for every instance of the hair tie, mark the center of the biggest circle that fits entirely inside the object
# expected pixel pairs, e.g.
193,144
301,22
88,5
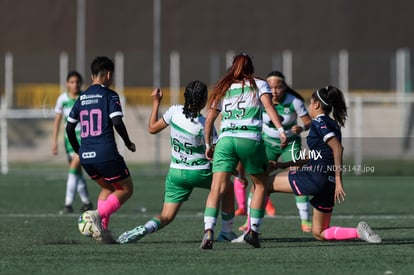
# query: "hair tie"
277,77
320,98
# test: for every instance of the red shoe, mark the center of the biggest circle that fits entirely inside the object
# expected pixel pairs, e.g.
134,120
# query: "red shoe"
270,208
240,212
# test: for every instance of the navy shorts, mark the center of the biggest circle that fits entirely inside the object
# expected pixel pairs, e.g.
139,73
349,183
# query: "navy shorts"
317,184
111,171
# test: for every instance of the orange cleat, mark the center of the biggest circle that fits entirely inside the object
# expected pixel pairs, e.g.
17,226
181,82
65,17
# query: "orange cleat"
270,208
306,226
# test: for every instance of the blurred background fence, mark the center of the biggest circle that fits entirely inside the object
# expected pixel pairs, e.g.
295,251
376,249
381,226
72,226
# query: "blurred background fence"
39,76
364,48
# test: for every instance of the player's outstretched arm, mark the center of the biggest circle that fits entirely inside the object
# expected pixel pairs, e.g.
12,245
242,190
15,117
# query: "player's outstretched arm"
274,116
155,124
122,131
337,150
56,126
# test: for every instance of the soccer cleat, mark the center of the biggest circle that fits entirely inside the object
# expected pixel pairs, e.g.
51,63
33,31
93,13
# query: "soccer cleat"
97,229
240,212
270,208
207,242
67,209
226,236
252,238
365,233
240,239
306,226
86,207
132,235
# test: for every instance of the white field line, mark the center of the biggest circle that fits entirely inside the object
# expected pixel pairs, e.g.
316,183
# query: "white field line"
200,214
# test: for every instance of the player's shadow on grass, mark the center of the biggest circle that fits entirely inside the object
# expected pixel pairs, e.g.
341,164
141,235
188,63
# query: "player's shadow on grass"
312,242
290,240
394,228
302,242
266,242
55,238
398,241
60,242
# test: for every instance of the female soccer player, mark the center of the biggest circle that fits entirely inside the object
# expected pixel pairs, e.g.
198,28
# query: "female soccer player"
322,176
98,110
239,97
189,167
75,181
289,104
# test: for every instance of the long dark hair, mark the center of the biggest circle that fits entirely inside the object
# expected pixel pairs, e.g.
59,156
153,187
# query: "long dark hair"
332,100
288,88
74,74
195,97
241,70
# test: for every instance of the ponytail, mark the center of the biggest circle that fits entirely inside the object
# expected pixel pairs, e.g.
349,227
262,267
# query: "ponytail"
332,100
241,70
195,98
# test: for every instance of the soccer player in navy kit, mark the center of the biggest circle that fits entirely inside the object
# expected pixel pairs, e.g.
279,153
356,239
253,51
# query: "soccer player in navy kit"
98,110
321,177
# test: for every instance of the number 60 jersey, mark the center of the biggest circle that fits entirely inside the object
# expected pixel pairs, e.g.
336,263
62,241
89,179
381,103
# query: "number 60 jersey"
95,109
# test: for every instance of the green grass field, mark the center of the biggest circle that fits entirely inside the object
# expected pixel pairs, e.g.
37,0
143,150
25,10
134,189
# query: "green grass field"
35,239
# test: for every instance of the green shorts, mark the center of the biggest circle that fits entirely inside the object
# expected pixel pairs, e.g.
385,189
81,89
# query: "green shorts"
68,146
180,183
274,152
229,150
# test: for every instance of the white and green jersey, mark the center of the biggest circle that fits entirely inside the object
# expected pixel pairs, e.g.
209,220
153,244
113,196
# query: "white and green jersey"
63,107
242,109
187,140
288,109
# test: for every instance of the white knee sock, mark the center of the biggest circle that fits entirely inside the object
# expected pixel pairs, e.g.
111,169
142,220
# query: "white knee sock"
151,226
303,208
209,223
83,190
70,189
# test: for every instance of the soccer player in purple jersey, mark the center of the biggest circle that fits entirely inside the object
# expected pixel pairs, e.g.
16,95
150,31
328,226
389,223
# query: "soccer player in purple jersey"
321,177
98,110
